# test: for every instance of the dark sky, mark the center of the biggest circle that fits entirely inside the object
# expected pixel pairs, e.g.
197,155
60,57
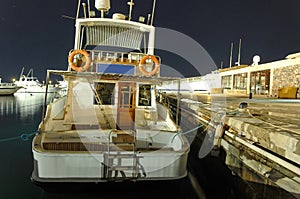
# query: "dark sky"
34,34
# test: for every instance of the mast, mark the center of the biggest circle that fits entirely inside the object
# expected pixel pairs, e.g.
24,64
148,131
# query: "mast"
89,8
131,4
84,9
78,8
21,73
153,10
230,59
239,53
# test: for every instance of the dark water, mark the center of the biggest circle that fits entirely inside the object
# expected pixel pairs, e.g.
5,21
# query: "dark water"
18,115
21,114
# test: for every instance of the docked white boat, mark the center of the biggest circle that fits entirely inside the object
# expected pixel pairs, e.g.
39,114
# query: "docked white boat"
8,88
31,84
109,125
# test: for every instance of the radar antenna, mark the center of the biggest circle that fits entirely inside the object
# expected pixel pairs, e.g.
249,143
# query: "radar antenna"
103,6
256,60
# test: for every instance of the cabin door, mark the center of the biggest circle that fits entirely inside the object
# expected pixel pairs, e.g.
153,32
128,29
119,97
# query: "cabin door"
126,105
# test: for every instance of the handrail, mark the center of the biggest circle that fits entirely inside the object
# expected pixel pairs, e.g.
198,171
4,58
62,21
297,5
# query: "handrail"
117,56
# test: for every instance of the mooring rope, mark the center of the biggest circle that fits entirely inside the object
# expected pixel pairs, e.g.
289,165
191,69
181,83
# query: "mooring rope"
23,137
186,132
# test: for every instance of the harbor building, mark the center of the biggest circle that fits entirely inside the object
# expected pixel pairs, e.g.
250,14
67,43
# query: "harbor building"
274,79
277,79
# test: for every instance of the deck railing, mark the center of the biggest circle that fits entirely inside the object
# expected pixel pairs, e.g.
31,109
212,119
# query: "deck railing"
110,56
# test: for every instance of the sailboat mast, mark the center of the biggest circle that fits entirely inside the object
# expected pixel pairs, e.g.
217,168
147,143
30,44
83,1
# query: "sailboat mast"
239,54
230,59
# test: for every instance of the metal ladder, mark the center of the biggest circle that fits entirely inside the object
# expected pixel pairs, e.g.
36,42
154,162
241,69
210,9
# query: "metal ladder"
99,103
115,158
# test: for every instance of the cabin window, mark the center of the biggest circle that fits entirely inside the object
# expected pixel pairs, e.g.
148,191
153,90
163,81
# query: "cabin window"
145,95
240,81
260,82
105,92
226,82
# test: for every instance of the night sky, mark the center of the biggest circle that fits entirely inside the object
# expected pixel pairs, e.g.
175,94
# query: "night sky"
34,34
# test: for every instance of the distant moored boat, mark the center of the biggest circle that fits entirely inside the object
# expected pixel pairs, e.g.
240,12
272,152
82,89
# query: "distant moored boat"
31,84
8,88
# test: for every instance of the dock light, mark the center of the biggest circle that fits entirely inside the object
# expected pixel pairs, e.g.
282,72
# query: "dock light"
13,79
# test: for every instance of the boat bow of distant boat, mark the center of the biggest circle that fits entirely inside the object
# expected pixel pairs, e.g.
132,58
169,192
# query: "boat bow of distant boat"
8,88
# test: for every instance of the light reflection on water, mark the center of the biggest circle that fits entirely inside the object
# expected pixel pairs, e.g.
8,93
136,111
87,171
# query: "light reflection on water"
19,114
22,104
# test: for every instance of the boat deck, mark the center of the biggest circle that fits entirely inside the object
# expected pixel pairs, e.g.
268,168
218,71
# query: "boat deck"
92,142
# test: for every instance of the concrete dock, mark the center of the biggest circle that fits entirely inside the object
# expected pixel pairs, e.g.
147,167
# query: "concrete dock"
261,137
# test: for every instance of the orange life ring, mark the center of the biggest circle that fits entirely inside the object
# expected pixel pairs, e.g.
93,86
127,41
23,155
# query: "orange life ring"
80,68
143,61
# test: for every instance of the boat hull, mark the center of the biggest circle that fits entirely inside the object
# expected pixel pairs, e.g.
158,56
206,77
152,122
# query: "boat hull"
37,89
8,90
89,167
175,187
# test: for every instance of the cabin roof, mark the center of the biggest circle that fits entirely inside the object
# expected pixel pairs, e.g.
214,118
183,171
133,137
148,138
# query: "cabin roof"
114,77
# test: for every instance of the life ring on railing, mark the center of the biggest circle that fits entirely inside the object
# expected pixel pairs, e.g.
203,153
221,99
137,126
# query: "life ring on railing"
87,62
143,61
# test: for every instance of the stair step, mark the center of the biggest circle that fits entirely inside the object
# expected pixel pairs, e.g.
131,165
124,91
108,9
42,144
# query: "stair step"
122,168
123,143
111,156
